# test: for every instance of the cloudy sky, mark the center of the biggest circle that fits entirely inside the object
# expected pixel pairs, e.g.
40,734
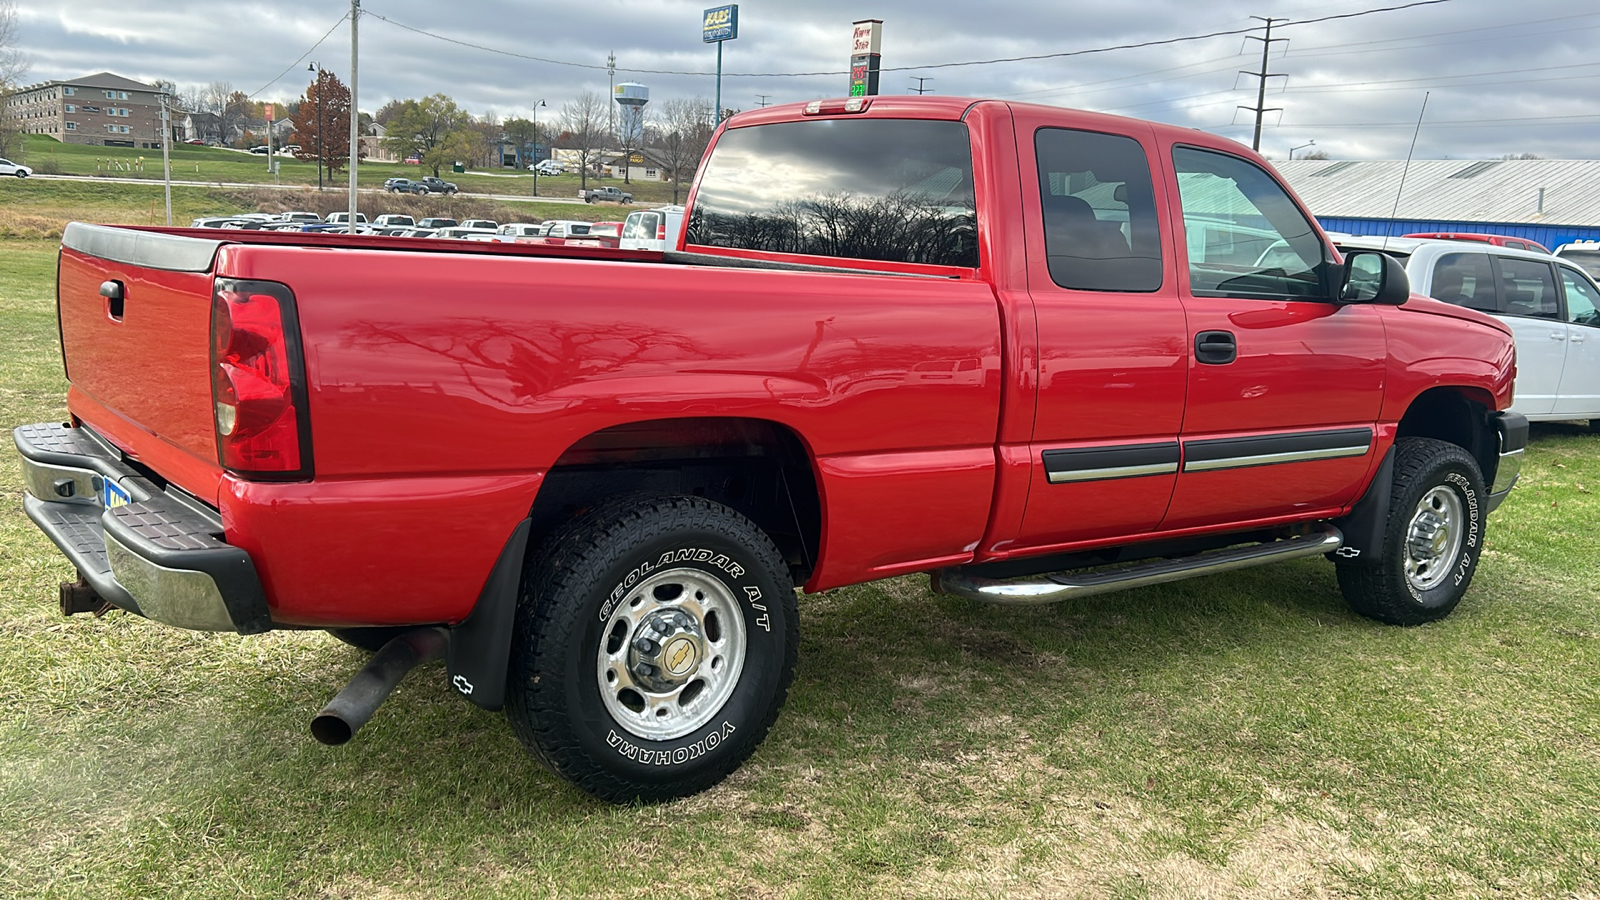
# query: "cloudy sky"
1499,77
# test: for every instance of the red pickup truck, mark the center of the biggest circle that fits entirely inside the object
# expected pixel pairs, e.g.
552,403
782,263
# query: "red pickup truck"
1034,352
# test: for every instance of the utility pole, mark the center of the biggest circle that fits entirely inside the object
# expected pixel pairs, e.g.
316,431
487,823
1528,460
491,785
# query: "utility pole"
166,153
1261,88
761,100
355,117
921,87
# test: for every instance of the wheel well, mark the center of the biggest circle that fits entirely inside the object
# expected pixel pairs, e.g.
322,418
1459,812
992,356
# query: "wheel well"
1448,414
755,466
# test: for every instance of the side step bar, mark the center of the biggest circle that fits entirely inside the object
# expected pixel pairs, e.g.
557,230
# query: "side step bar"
1052,588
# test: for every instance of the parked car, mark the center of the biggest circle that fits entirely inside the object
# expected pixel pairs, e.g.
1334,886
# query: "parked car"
301,217
547,167
1551,305
592,486
437,222
433,185
418,232
482,224
513,230
394,220
461,233
402,186
222,222
565,228
652,229
610,193
1584,253
1499,240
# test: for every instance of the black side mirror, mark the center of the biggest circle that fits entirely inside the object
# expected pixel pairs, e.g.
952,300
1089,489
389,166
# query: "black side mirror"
1371,276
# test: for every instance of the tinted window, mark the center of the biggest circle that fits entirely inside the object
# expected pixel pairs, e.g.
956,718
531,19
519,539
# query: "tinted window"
1583,301
1465,279
1527,288
1100,231
1234,217
887,189
641,226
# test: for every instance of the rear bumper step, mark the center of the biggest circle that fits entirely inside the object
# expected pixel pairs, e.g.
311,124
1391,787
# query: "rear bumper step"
1059,586
160,554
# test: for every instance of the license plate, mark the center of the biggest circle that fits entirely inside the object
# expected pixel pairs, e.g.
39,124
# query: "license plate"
113,495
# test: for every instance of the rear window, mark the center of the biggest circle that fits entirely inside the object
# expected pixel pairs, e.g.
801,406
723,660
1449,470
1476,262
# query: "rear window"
641,226
898,190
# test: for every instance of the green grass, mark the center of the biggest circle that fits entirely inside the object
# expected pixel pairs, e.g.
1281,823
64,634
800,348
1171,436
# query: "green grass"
1242,735
219,165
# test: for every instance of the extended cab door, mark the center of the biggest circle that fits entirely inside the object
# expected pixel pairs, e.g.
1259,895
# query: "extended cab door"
1284,384
1111,339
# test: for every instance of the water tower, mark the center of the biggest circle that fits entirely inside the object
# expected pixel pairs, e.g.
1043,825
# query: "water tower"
632,98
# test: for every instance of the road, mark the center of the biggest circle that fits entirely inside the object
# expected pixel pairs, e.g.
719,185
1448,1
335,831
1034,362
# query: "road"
283,187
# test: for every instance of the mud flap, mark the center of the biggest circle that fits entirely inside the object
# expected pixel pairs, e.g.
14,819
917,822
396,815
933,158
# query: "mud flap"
1365,525
480,646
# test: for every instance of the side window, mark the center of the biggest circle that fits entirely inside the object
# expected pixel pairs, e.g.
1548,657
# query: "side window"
1527,288
1583,301
1100,227
1245,237
1465,279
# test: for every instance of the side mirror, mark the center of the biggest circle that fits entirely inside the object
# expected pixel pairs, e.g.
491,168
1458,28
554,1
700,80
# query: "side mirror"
1374,277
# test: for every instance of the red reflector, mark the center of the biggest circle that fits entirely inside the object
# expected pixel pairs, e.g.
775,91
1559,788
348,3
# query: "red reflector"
257,381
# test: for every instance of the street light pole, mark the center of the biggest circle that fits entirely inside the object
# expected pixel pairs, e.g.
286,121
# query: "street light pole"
317,68
536,147
1301,147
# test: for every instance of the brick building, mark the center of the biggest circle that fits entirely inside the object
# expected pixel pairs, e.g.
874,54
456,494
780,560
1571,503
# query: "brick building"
102,110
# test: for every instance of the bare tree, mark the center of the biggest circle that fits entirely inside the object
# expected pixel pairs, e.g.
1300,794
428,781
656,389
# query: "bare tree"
583,123
13,66
685,128
215,96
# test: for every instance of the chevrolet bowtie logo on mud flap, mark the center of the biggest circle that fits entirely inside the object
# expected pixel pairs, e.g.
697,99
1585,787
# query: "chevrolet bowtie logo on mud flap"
1348,552
462,684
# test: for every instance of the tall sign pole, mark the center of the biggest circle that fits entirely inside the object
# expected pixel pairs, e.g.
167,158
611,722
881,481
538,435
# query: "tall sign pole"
721,23
865,43
166,151
268,110
355,117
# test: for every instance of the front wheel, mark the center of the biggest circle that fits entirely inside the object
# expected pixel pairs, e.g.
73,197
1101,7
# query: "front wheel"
654,645
1432,540
22,174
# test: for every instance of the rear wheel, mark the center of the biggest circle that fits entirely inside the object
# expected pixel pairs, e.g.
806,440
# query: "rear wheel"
1432,540
655,642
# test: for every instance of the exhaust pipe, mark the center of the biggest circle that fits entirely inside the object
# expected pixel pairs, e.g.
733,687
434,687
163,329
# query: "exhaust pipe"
352,707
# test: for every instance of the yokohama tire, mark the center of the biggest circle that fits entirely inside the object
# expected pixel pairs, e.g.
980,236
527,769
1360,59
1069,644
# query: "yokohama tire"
712,592
1432,540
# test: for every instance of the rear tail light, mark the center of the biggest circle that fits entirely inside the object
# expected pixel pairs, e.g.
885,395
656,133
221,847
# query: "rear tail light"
258,383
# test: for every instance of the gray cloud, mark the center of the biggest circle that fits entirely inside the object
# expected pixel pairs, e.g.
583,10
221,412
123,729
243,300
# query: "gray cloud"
1501,78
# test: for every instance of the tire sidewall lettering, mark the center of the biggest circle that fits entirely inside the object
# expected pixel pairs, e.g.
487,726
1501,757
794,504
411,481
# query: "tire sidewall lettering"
1463,486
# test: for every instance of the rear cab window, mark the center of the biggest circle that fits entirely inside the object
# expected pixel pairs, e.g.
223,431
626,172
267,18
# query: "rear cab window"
1098,201
895,190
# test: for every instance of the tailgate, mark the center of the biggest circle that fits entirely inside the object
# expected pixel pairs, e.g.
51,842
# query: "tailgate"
140,364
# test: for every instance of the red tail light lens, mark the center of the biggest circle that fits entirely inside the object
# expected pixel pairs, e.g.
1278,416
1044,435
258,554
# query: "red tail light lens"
258,384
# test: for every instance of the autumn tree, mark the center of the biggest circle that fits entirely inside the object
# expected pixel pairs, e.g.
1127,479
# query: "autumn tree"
432,129
583,126
684,128
322,121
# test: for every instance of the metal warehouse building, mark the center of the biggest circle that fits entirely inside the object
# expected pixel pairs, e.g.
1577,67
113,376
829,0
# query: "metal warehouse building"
1552,201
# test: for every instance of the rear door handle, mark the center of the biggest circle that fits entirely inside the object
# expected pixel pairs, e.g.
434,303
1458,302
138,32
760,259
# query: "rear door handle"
1215,348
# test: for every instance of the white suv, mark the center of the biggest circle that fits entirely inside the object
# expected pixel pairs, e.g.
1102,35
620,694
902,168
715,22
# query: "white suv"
1551,304
7,167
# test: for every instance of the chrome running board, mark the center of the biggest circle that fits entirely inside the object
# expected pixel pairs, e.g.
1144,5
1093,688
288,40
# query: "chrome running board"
1051,588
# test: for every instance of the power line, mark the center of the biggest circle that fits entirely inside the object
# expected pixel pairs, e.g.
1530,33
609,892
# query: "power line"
302,58
977,62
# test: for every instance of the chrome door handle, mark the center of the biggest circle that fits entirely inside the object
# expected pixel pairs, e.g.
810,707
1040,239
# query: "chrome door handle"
1576,339
1557,336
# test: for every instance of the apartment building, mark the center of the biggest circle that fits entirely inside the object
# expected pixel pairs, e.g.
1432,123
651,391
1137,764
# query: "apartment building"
102,110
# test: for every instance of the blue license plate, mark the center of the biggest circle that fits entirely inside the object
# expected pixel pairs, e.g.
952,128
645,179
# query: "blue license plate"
113,495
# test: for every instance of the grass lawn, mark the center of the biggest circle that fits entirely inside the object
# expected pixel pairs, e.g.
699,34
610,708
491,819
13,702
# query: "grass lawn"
1242,735
216,164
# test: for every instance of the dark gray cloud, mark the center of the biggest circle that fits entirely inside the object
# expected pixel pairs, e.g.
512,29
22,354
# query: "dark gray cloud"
1500,78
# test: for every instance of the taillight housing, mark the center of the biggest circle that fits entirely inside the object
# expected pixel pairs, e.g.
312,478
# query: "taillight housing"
258,382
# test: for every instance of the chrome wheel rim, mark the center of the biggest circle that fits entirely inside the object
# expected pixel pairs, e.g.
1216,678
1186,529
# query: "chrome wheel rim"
671,654
1433,538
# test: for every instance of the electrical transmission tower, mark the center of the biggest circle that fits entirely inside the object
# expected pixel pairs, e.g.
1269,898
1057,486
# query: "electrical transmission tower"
761,100
1261,107
921,87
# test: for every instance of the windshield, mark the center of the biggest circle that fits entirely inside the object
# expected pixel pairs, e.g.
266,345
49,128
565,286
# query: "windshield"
887,189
